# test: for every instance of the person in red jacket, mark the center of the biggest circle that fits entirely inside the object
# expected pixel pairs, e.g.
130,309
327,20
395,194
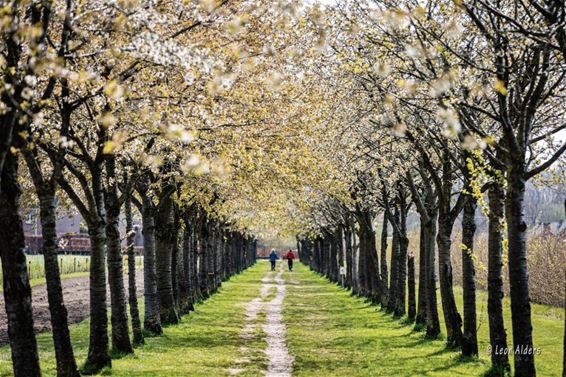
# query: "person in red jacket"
290,257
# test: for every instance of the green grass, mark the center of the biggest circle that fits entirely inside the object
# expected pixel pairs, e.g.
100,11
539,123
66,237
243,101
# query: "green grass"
206,343
329,332
548,331
332,333
69,266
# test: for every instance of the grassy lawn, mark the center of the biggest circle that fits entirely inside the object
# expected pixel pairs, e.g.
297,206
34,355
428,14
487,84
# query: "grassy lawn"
206,343
329,333
332,333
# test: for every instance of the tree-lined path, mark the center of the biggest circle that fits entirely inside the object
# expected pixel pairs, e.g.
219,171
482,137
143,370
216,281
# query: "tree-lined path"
414,149
297,324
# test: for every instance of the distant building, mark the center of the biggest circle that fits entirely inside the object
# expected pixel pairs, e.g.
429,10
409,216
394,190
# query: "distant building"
72,234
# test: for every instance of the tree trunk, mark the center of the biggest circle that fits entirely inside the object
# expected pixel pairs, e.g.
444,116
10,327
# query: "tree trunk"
98,356
317,255
152,320
186,304
402,262
202,258
176,262
340,245
369,264
518,272
452,318
194,283
432,321
411,285
469,338
218,248
226,256
333,263
210,256
132,289
164,237
66,364
349,256
421,308
355,263
383,260
362,263
324,251
373,267
393,284
17,291
119,312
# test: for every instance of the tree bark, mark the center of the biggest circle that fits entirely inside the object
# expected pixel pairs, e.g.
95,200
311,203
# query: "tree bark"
452,318
202,259
324,255
349,256
152,320
411,285
369,264
383,260
176,262
66,364
469,338
186,304
362,263
432,320
421,308
194,282
17,290
132,289
119,313
393,284
98,356
518,272
210,257
355,263
340,246
164,237
218,249
333,262
402,262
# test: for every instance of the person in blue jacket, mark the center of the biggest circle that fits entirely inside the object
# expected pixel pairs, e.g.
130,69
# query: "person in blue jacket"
273,259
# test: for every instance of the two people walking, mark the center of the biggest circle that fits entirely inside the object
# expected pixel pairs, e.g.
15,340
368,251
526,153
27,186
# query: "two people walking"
290,256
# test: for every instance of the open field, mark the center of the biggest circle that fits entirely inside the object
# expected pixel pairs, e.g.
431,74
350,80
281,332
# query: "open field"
69,266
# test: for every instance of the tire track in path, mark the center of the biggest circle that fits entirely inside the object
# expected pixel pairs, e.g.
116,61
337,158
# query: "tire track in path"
280,362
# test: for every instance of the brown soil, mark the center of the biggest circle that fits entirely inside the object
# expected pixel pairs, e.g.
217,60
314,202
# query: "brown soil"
76,296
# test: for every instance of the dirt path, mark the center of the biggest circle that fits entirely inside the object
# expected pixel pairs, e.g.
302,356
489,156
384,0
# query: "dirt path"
280,362
76,296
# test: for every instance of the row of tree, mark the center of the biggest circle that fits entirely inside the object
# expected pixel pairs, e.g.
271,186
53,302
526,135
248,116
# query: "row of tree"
231,118
446,108
173,112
